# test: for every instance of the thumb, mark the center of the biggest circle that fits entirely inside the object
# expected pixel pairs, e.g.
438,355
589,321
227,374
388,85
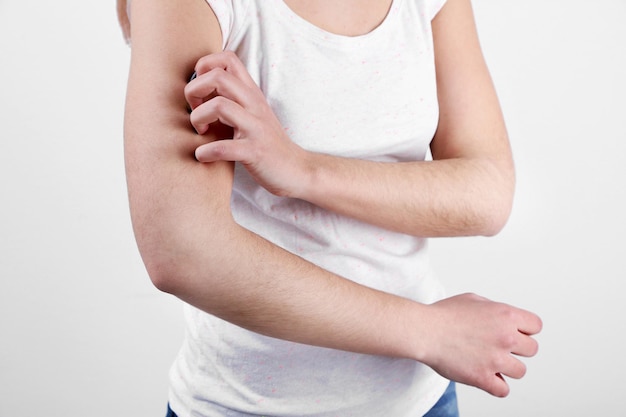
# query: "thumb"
497,386
222,150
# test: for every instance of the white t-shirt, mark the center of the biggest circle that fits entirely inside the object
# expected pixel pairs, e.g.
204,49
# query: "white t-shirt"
371,97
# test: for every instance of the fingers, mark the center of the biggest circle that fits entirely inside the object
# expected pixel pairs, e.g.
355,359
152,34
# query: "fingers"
217,82
223,90
530,323
491,349
494,384
501,388
227,61
497,386
525,346
513,368
219,109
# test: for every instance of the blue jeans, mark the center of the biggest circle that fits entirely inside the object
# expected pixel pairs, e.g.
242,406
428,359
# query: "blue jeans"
445,407
170,413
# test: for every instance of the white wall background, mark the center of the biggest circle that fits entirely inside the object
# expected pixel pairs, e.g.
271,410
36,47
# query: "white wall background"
82,331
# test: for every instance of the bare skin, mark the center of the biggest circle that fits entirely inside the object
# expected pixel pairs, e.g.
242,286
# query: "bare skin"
347,17
193,249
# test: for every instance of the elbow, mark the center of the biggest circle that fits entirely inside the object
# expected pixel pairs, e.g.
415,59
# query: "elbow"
163,273
498,204
180,265
487,220
163,281
163,257
170,260
494,219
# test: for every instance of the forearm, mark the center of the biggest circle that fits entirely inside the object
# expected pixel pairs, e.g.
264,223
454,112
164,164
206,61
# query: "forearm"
449,197
193,249
258,286
468,188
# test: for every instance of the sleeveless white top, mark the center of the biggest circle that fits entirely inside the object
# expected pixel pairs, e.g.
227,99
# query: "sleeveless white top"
371,97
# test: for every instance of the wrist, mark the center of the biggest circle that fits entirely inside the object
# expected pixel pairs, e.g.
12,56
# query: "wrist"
302,182
404,328
417,331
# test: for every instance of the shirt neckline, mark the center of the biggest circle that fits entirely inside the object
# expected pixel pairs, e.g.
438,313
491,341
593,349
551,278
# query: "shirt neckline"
312,29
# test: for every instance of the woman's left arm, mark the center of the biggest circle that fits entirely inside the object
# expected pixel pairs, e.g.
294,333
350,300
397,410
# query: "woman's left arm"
466,190
468,187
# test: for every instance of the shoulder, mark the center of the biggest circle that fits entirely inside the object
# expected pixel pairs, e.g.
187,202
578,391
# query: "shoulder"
232,16
185,28
432,7
425,8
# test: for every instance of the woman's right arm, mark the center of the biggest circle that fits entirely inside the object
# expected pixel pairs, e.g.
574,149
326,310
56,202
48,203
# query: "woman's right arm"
193,248
180,209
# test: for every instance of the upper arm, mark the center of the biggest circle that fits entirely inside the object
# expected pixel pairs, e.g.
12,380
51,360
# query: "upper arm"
471,122
170,192
167,38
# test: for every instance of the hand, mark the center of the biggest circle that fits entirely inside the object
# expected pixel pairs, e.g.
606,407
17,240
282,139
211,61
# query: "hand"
224,91
475,341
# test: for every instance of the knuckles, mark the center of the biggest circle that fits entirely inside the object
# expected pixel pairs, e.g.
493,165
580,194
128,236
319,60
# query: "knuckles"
231,58
211,111
205,85
224,60
219,104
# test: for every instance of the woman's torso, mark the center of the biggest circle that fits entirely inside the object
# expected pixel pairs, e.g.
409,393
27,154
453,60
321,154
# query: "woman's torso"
371,96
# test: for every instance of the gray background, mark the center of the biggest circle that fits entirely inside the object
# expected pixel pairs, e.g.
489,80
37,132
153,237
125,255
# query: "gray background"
83,332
